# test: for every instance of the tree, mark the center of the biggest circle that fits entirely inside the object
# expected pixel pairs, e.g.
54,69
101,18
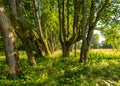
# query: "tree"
21,27
95,13
11,52
68,35
49,23
112,35
110,24
102,13
42,37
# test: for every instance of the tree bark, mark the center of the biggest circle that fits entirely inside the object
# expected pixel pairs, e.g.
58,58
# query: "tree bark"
84,31
64,36
75,49
11,52
85,47
31,58
38,22
86,38
84,52
38,50
36,45
21,28
27,45
65,50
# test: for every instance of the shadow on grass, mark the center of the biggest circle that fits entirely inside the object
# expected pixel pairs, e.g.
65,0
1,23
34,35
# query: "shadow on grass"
63,72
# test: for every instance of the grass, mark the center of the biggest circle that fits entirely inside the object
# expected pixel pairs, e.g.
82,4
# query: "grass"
103,69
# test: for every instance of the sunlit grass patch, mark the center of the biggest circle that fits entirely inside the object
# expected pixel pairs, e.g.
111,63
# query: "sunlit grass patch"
56,54
103,69
22,54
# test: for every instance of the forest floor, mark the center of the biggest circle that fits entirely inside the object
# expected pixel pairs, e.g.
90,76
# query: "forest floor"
103,69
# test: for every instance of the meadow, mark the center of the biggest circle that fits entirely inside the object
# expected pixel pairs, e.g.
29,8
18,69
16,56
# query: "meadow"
103,69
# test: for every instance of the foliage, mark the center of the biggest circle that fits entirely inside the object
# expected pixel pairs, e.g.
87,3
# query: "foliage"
49,21
106,45
112,35
102,69
109,24
95,41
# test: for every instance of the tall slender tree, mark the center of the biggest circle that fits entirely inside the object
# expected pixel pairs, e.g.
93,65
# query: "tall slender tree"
21,27
9,39
38,22
87,31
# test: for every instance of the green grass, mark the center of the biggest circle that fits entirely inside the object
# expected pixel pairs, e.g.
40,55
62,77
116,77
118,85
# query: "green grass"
103,69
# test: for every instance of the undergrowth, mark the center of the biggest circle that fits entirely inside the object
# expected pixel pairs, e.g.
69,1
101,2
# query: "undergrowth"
103,69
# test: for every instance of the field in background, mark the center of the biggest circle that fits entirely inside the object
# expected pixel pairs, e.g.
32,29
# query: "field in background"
103,69
108,50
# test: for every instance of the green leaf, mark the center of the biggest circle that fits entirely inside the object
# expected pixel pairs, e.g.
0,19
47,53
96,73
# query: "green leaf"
110,1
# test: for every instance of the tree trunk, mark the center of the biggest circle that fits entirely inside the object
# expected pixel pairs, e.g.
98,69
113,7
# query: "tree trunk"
27,45
64,36
31,58
84,52
11,52
40,31
16,55
38,50
21,29
46,47
75,50
85,47
65,50
34,41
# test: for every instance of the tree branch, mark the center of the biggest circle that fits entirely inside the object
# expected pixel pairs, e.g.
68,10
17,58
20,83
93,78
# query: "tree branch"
99,14
84,16
63,20
92,9
60,19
